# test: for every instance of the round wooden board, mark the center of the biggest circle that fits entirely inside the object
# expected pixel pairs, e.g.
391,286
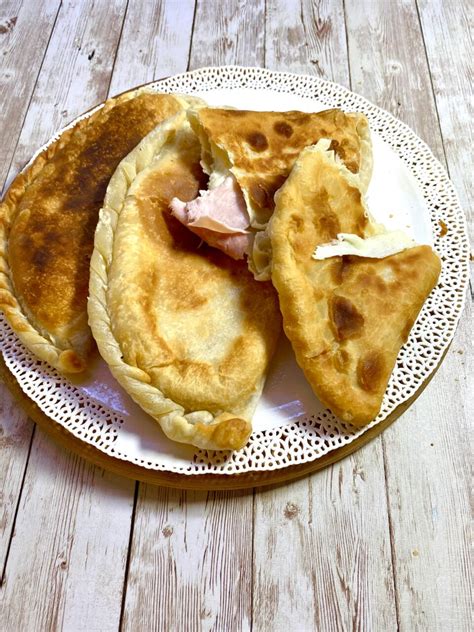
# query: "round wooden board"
198,481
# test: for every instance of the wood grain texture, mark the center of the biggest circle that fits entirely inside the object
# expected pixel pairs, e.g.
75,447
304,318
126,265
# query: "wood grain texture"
25,28
426,452
20,22
329,549
190,560
85,514
336,571
154,44
428,461
308,37
15,439
67,558
230,32
75,73
447,31
388,64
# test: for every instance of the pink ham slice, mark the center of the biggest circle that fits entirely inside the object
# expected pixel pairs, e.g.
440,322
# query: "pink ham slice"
219,217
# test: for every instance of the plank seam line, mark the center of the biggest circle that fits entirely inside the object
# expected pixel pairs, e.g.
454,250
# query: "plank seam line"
264,37
129,555
446,164
306,38
20,496
191,39
117,49
30,99
252,570
392,538
346,33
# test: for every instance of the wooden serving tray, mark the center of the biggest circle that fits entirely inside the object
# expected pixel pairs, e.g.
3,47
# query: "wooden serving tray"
194,481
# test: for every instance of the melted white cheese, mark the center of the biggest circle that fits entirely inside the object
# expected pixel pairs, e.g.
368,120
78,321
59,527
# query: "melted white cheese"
220,169
375,247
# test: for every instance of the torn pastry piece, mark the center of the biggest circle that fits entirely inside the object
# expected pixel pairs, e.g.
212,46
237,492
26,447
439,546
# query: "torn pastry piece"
185,329
346,316
253,153
47,223
260,148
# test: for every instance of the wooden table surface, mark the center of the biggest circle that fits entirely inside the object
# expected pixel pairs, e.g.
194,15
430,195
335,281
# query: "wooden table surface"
378,541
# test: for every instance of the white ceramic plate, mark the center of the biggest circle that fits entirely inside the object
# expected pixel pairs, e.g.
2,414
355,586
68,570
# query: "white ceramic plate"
409,190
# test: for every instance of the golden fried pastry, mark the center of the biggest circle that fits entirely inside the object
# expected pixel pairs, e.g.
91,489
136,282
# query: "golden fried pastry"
47,223
346,316
185,329
248,155
260,148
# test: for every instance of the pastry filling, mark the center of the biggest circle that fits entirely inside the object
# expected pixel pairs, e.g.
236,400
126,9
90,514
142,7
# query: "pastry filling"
219,216
375,247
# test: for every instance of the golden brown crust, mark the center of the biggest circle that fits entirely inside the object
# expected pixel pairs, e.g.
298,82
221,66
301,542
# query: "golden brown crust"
230,434
263,146
185,329
346,317
47,223
260,148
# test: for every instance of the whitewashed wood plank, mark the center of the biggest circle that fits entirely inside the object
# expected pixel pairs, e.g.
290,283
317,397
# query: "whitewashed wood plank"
20,22
388,64
429,486
327,536
25,28
447,31
190,561
67,558
229,32
73,524
75,74
155,42
309,37
426,451
322,552
15,439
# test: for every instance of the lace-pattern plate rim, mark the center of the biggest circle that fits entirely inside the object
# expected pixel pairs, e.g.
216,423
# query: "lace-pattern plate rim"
218,482
312,442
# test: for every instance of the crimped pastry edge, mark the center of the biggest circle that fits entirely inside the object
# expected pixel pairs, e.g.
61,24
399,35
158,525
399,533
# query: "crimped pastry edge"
200,428
45,346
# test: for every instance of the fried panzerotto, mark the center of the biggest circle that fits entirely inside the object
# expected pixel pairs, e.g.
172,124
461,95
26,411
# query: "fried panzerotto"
346,316
185,329
248,155
47,223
